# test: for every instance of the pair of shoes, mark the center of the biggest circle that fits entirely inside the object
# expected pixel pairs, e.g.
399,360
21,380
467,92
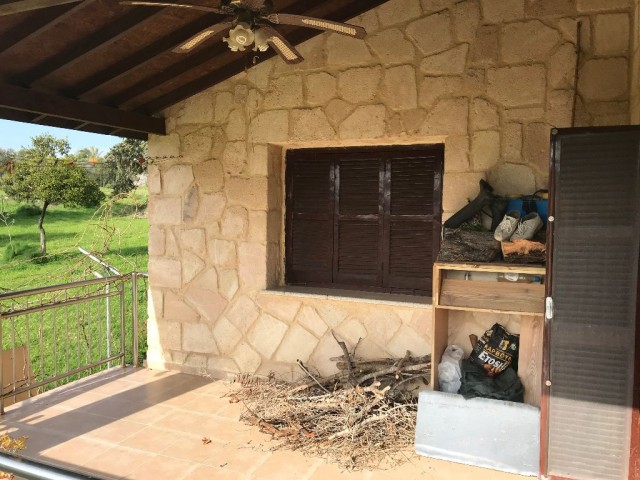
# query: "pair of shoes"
513,227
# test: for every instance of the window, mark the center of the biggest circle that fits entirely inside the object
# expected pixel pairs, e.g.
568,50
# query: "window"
363,218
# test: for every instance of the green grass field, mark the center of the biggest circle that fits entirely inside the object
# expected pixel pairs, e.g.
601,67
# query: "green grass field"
116,232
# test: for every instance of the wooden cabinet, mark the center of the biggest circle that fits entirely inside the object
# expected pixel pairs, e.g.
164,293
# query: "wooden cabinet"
475,288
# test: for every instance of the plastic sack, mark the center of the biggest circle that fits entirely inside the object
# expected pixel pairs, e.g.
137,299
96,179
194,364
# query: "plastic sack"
449,373
496,350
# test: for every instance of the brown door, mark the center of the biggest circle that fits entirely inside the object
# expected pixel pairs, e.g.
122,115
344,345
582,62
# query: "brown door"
591,333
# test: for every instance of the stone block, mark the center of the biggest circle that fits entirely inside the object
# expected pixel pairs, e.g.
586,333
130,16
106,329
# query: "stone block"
194,239
309,319
227,283
359,85
177,179
197,337
270,126
226,335
405,339
257,161
208,303
431,34
177,310
331,313
485,150
164,210
517,86
458,188
604,79
399,88
252,259
466,18
171,244
391,47
260,74
561,67
221,367
298,344
190,205
326,349
243,312
247,359
251,193
499,11
266,334
552,8
484,115
320,88
560,108
351,331
398,11
367,121
528,41
524,114
197,146
611,34
337,110
284,92
381,325
235,222
342,50
154,181
484,48
209,176
433,88
310,124
588,6
224,103
510,178
234,157
211,207
449,116
456,153
258,226
449,62
164,146
197,109
535,149
511,147
156,240
281,307
412,120
236,126
222,253
165,272
192,265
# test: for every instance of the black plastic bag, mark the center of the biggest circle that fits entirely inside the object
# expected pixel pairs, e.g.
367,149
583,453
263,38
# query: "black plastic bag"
496,350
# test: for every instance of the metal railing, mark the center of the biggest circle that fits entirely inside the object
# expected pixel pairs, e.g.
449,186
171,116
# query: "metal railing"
57,334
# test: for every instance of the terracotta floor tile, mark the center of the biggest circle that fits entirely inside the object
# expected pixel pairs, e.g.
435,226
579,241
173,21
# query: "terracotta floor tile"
243,459
153,439
161,468
190,448
283,465
76,451
330,471
204,472
118,461
115,432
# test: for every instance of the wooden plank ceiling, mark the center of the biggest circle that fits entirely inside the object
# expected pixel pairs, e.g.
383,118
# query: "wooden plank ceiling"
99,66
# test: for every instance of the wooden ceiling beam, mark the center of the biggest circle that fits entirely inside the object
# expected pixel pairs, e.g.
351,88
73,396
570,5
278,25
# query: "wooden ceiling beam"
53,21
139,58
105,36
40,103
20,6
33,22
208,80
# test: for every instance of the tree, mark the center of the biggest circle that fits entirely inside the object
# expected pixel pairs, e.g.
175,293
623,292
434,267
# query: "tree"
90,158
126,160
46,175
7,160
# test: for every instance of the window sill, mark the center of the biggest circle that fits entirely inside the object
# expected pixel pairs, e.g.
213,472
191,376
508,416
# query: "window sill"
393,299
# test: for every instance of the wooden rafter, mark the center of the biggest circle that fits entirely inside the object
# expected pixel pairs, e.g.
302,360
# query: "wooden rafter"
25,100
32,23
20,6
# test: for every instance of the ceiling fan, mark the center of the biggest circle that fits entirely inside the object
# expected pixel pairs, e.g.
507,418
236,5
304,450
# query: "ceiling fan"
250,22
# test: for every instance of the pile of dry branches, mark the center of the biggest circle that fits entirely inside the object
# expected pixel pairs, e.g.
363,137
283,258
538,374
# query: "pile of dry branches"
362,417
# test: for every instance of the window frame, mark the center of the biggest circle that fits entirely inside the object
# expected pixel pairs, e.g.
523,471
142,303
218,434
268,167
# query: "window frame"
384,155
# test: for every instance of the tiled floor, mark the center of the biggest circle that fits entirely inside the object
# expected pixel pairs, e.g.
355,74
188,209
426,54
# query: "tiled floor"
143,424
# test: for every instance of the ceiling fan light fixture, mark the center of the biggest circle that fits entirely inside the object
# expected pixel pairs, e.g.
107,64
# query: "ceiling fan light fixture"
242,34
260,38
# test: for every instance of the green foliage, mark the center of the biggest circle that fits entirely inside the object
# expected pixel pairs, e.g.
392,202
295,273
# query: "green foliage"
126,160
45,148
16,250
28,210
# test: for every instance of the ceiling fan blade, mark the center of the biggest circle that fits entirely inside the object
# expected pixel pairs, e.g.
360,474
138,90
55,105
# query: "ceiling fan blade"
26,5
179,5
254,5
200,37
280,44
318,23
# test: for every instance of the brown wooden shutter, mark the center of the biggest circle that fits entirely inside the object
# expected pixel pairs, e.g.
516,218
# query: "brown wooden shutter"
358,222
412,220
309,236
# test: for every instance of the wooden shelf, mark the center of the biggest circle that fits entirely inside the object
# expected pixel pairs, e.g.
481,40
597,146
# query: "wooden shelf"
495,298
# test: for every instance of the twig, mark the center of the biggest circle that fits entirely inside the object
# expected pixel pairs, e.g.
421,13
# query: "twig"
305,370
347,358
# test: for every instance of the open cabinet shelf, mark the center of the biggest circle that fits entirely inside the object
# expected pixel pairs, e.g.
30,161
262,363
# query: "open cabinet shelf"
475,288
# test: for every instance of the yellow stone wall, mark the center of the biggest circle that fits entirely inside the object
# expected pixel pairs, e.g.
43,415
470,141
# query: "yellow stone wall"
488,78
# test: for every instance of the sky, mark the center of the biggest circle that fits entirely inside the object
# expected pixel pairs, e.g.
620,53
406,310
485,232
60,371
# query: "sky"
15,135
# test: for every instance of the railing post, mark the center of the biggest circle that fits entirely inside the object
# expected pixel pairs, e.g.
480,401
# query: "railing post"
1,367
134,295
123,332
